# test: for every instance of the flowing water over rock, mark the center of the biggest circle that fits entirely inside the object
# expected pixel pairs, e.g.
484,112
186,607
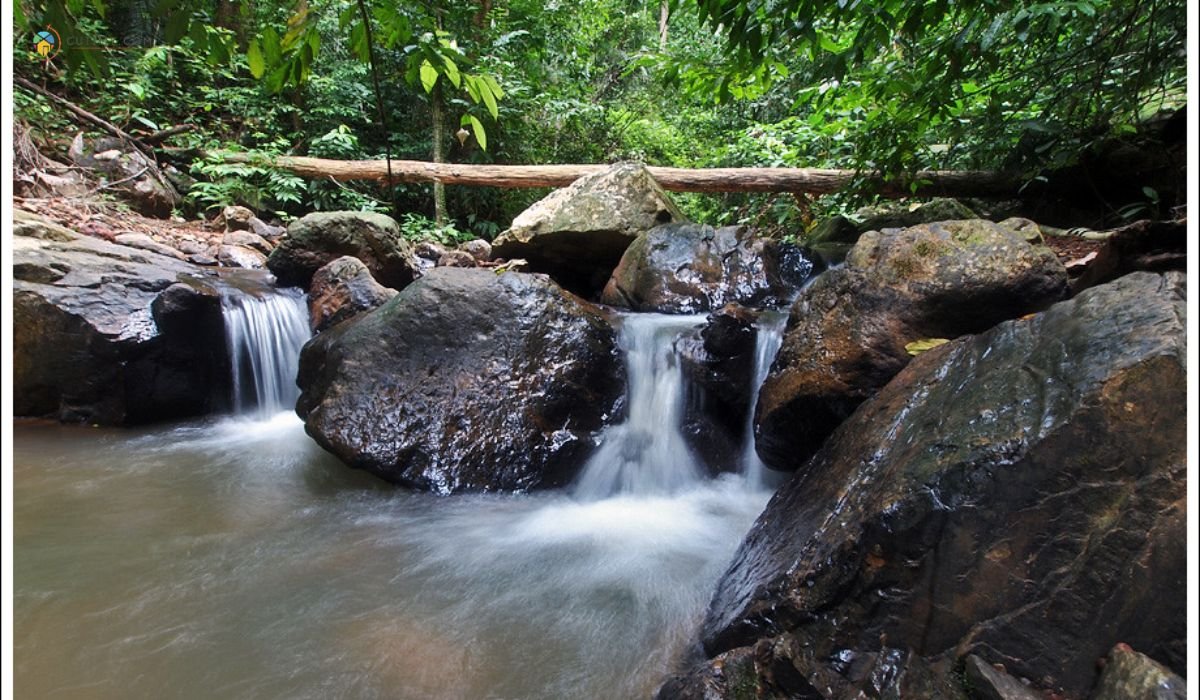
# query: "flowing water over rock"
264,332
767,340
647,453
236,558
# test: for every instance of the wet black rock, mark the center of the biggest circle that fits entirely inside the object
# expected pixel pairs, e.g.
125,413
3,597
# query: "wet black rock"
848,331
1018,495
691,268
319,238
341,290
466,381
109,334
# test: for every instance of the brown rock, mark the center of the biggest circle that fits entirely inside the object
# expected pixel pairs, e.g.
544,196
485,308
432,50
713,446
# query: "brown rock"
322,237
456,258
847,333
248,240
341,290
1018,495
577,234
241,256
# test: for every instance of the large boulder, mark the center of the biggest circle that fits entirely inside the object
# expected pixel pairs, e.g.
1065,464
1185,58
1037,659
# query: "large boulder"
109,334
577,234
468,380
1019,495
690,268
848,331
341,290
318,239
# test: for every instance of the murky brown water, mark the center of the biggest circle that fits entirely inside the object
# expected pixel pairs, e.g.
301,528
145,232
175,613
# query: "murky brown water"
236,559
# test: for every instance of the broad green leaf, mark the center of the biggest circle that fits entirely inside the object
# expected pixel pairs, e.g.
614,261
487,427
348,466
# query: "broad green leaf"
177,26
429,76
480,134
472,84
254,59
494,85
270,45
489,99
917,347
451,71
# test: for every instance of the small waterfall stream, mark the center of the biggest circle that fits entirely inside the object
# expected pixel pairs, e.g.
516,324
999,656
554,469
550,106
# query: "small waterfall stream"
646,455
264,333
767,342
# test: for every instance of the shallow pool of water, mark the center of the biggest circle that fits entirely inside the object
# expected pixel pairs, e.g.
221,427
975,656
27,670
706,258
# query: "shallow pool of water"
237,559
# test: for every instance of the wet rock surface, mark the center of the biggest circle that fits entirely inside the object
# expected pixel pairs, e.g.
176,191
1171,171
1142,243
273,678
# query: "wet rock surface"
1018,495
318,239
110,334
577,234
466,381
691,268
717,361
848,330
1128,674
341,290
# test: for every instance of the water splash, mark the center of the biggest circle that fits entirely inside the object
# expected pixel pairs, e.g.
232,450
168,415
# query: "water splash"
264,333
647,454
767,341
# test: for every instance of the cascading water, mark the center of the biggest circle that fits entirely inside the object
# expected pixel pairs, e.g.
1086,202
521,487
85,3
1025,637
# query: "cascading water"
767,341
646,455
264,333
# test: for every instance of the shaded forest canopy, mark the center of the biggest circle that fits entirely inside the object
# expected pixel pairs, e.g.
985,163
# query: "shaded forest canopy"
891,86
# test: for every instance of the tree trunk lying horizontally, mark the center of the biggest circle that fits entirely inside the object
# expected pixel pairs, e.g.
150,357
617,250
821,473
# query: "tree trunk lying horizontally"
963,183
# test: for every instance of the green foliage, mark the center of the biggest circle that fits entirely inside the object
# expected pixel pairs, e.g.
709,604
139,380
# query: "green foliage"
256,186
940,83
415,227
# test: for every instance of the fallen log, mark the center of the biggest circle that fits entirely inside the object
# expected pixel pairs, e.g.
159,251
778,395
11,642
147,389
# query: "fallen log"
950,183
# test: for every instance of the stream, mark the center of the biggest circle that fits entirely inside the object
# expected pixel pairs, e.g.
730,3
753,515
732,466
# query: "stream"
233,557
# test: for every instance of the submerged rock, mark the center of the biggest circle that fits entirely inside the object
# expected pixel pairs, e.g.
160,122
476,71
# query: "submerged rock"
848,331
466,381
341,290
1018,495
319,238
109,334
577,234
690,268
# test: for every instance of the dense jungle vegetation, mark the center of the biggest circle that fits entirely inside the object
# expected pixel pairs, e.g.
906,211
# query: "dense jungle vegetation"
893,85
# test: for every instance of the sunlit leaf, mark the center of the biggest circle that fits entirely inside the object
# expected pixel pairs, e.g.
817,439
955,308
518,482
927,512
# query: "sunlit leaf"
917,347
429,76
480,134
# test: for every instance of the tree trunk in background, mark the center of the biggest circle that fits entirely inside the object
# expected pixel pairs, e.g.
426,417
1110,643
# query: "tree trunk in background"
439,153
948,183
664,14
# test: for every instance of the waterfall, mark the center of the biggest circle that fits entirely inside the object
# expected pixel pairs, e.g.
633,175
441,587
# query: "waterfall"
767,340
646,454
264,333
